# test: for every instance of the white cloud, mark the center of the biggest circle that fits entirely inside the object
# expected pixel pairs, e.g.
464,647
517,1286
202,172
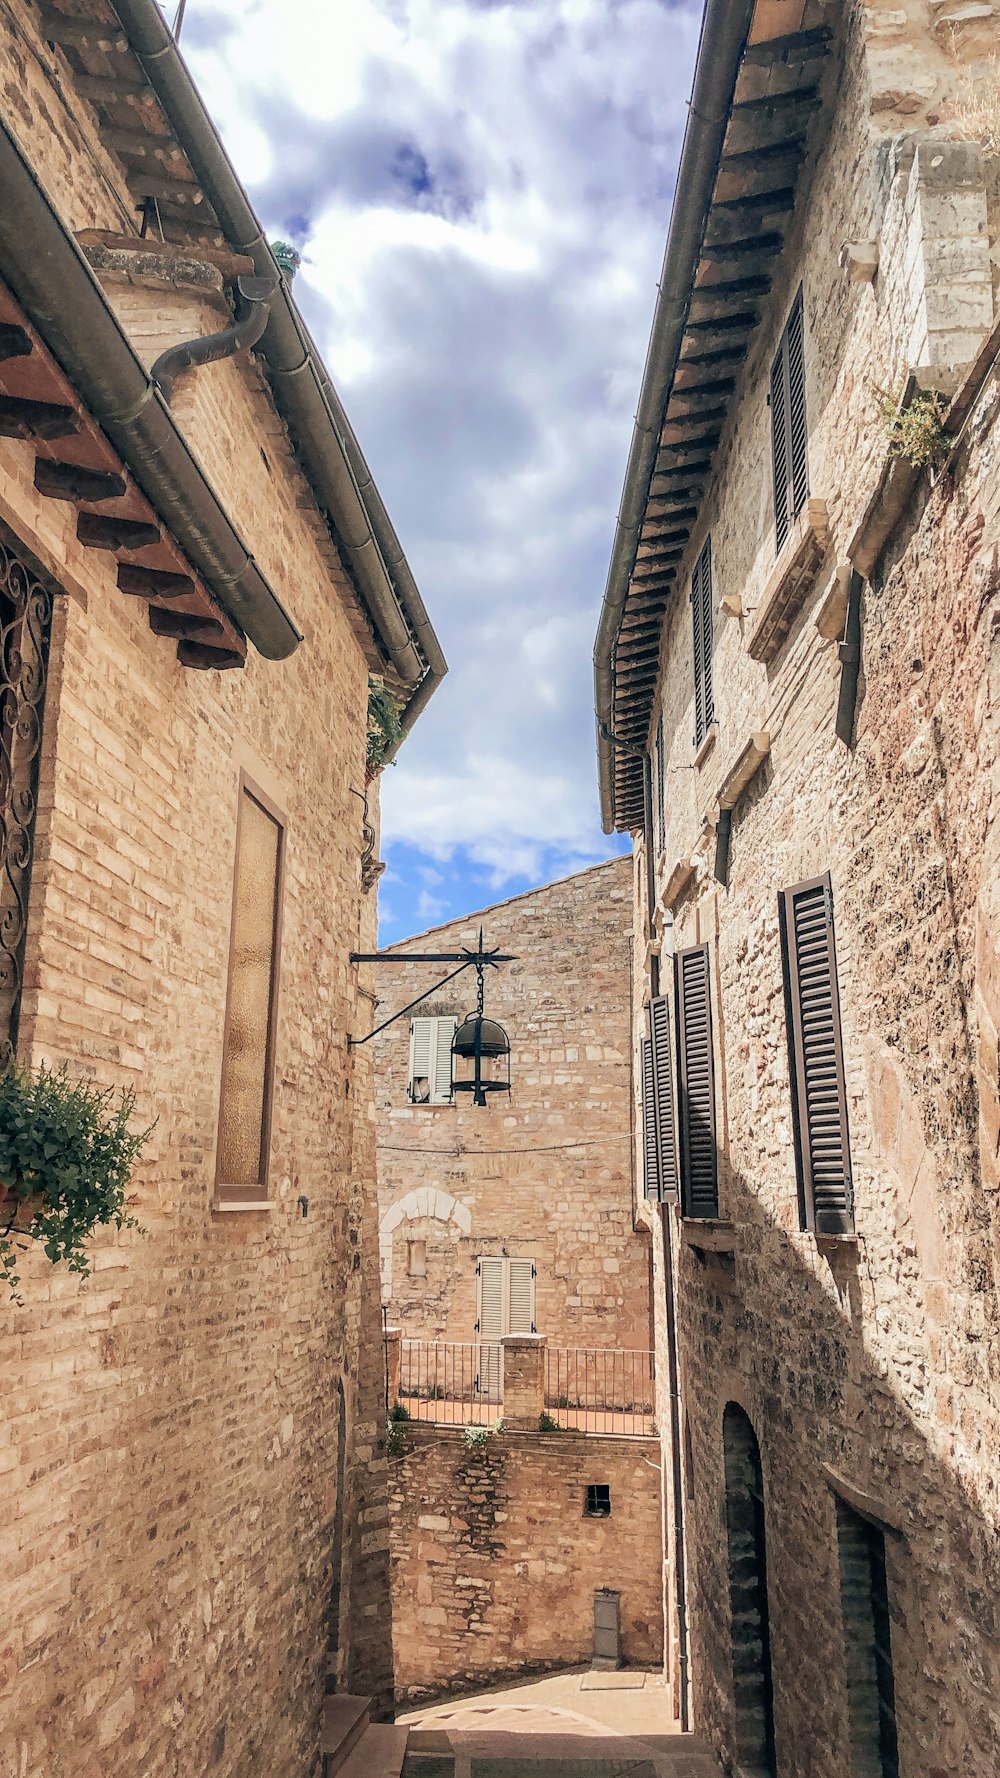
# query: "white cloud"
481,191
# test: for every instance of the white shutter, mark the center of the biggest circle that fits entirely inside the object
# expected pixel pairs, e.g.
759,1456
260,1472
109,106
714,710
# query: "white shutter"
421,1057
521,1297
443,1033
491,1328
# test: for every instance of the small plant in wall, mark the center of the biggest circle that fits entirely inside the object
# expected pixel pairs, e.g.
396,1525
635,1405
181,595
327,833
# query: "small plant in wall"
395,1433
477,1438
384,726
67,1152
915,431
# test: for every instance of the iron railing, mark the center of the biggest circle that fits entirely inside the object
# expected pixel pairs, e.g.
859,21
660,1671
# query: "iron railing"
451,1383
598,1389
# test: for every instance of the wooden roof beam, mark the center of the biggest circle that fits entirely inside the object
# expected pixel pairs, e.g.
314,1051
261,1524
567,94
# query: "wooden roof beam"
75,30
754,284
794,98
779,199
768,242
790,48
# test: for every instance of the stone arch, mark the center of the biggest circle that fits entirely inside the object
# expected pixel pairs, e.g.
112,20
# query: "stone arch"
426,1200
753,1696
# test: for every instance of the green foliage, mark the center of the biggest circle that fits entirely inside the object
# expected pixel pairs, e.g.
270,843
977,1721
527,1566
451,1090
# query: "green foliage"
547,1424
398,1412
916,433
384,726
395,1433
288,257
66,1159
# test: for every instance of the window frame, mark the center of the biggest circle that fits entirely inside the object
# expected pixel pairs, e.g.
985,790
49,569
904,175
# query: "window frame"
228,1193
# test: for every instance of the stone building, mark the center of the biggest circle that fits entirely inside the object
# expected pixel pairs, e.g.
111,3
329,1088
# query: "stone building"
194,591
798,698
518,1216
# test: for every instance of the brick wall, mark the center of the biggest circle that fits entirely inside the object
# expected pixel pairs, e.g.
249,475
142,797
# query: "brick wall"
169,1429
494,1566
868,1370
547,1174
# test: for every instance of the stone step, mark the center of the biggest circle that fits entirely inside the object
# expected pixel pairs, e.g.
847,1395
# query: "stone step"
345,1720
378,1754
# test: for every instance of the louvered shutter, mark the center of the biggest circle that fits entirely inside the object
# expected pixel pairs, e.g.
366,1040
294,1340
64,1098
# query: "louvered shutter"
521,1297
650,1151
662,1060
421,1058
701,615
490,1326
443,1035
816,1059
699,1170
789,457
795,356
661,811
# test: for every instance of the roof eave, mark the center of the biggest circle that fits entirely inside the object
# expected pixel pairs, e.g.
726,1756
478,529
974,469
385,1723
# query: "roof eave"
724,32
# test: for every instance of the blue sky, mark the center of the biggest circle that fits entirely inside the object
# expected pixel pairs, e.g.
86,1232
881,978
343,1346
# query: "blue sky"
480,190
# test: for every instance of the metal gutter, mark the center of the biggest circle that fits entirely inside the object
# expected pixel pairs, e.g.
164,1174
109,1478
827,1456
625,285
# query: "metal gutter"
724,31
330,454
60,294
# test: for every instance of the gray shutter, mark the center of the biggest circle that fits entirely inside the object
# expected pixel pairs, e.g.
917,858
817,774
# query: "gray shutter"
701,617
421,1057
650,1156
788,424
661,810
798,469
442,1037
699,1168
816,1058
708,628
662,1062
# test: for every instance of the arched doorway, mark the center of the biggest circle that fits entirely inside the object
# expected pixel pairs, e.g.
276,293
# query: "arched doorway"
752,1687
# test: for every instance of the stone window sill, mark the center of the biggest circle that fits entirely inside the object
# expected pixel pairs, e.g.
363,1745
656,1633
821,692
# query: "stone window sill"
789,580
239,1206
708,742
709,1235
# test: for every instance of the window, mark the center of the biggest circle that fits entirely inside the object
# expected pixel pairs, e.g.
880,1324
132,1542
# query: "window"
430,1061
505,1305
416,1259
597,1501
661,810
815,1058
696,1106
871,1694
251,1001
704,630
659,1124
788,425
753,1691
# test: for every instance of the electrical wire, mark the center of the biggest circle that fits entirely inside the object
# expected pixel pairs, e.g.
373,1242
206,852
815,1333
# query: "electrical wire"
543,1148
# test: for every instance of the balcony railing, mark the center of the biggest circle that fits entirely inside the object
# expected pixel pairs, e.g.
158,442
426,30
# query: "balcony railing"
579,1388
598,1389
451,1383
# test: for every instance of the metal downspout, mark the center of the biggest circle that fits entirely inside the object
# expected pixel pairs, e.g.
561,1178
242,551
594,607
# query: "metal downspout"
253,296
331,454
677,1471
61,296
849,652
724,31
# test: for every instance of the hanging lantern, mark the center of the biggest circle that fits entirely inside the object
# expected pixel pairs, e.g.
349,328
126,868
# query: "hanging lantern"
480,1056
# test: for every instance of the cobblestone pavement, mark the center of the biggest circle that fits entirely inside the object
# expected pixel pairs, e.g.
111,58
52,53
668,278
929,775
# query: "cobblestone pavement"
588,1725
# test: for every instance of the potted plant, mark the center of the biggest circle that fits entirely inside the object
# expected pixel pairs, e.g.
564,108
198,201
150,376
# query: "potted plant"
66,1157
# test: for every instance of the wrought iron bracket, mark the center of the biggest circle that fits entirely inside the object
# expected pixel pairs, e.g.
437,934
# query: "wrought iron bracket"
478,960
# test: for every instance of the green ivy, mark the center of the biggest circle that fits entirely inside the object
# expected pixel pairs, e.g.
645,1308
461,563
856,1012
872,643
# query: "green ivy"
916,432
66,1157
384,726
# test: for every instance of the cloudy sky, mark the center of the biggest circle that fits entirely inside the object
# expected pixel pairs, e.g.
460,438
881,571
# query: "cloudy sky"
480,191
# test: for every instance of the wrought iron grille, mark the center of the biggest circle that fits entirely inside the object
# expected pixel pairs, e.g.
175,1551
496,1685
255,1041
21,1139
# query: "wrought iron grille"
25,626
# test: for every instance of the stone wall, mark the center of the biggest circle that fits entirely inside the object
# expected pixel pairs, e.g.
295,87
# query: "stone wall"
547,1174
494,1566
867,1368
191,1441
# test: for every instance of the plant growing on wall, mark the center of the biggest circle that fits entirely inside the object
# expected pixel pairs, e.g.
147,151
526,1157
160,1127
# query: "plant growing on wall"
975,115
916,432
67,1152
477,1438
384,726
